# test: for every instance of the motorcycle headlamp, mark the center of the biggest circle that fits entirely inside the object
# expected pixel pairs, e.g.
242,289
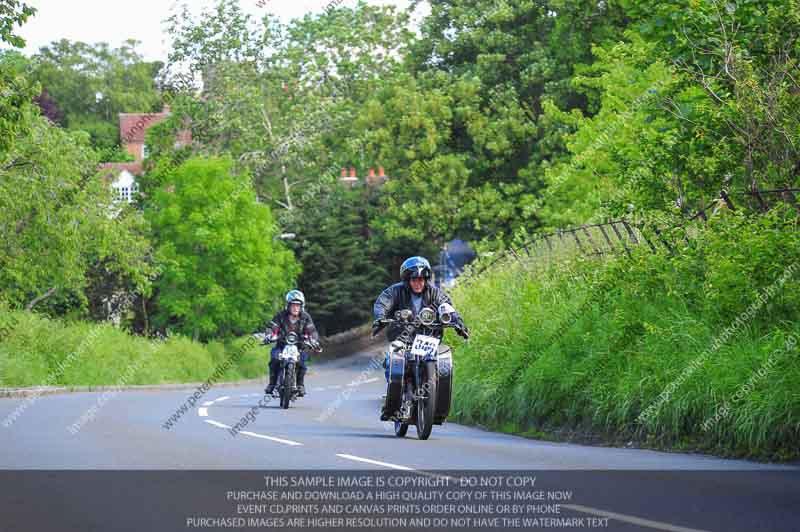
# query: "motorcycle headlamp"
446,313
427,316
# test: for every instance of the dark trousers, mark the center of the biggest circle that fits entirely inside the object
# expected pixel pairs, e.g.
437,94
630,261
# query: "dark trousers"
275,366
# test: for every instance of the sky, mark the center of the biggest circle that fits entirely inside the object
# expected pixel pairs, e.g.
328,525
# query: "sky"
114,21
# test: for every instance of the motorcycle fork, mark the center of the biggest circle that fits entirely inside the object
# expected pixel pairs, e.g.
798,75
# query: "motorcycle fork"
419,368
409,393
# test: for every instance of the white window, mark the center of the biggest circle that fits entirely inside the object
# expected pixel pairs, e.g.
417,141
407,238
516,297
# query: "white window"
125,187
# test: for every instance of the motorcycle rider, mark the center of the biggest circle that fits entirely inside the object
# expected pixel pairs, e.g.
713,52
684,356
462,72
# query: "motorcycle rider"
414,292
295,319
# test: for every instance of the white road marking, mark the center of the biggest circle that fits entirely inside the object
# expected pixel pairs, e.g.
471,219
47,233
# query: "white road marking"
203,412
358,383
631,519
271,438
374,462
216,423
318,389
220,399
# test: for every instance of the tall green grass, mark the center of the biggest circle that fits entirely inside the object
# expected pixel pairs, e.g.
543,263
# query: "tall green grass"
583,347
38,351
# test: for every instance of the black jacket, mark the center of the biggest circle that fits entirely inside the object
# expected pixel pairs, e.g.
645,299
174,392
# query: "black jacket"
281,326
398,297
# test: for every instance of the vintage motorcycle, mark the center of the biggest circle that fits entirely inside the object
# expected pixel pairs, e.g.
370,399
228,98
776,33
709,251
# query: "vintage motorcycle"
289,357
420,371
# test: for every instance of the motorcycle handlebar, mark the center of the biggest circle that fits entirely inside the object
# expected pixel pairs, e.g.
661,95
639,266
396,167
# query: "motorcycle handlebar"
389,321
377,325
314,346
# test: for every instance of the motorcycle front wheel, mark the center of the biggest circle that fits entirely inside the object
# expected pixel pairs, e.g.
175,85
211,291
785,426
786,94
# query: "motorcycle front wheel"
288,385
426,405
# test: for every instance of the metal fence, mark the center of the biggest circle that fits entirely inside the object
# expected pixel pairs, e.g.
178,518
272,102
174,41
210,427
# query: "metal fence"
620,236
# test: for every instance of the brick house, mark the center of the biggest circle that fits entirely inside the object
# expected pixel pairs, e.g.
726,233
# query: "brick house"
132,127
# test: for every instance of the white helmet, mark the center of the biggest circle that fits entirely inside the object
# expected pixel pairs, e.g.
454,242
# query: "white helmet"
295,296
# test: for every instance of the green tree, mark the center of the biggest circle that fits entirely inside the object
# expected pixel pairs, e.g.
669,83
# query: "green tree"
519,55
285,96
92,84
55,213
221,271
701,96
343,271
13,13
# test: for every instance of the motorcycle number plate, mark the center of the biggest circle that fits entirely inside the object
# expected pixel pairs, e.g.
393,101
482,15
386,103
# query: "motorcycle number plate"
290,351
424,345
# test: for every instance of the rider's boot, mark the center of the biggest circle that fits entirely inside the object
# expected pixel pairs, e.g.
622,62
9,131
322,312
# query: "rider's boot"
273,378
301,375
274,368
384,411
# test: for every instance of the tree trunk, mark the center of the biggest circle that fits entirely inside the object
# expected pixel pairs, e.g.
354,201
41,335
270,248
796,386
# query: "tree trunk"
146,319
286,189
41,298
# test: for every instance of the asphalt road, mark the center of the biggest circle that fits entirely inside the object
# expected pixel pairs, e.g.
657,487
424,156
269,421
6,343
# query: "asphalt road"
336,427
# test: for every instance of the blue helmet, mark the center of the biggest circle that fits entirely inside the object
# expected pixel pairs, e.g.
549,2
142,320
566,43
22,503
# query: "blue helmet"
415,267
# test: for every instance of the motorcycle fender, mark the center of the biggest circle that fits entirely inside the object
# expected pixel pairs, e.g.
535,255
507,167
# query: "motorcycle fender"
394,392
444,387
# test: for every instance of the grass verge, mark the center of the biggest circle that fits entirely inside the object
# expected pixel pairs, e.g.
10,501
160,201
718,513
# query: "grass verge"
37,351
692,350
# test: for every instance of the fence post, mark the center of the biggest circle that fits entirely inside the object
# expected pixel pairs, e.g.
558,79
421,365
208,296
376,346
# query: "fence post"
727,199
621,239
591,240
605,235
578,240
754,192
644,235
662,239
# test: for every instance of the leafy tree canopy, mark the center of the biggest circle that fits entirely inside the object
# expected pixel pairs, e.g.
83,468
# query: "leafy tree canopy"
55,212
92,84
221,270
13,13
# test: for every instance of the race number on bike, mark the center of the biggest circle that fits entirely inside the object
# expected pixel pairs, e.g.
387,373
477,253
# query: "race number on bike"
424,345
